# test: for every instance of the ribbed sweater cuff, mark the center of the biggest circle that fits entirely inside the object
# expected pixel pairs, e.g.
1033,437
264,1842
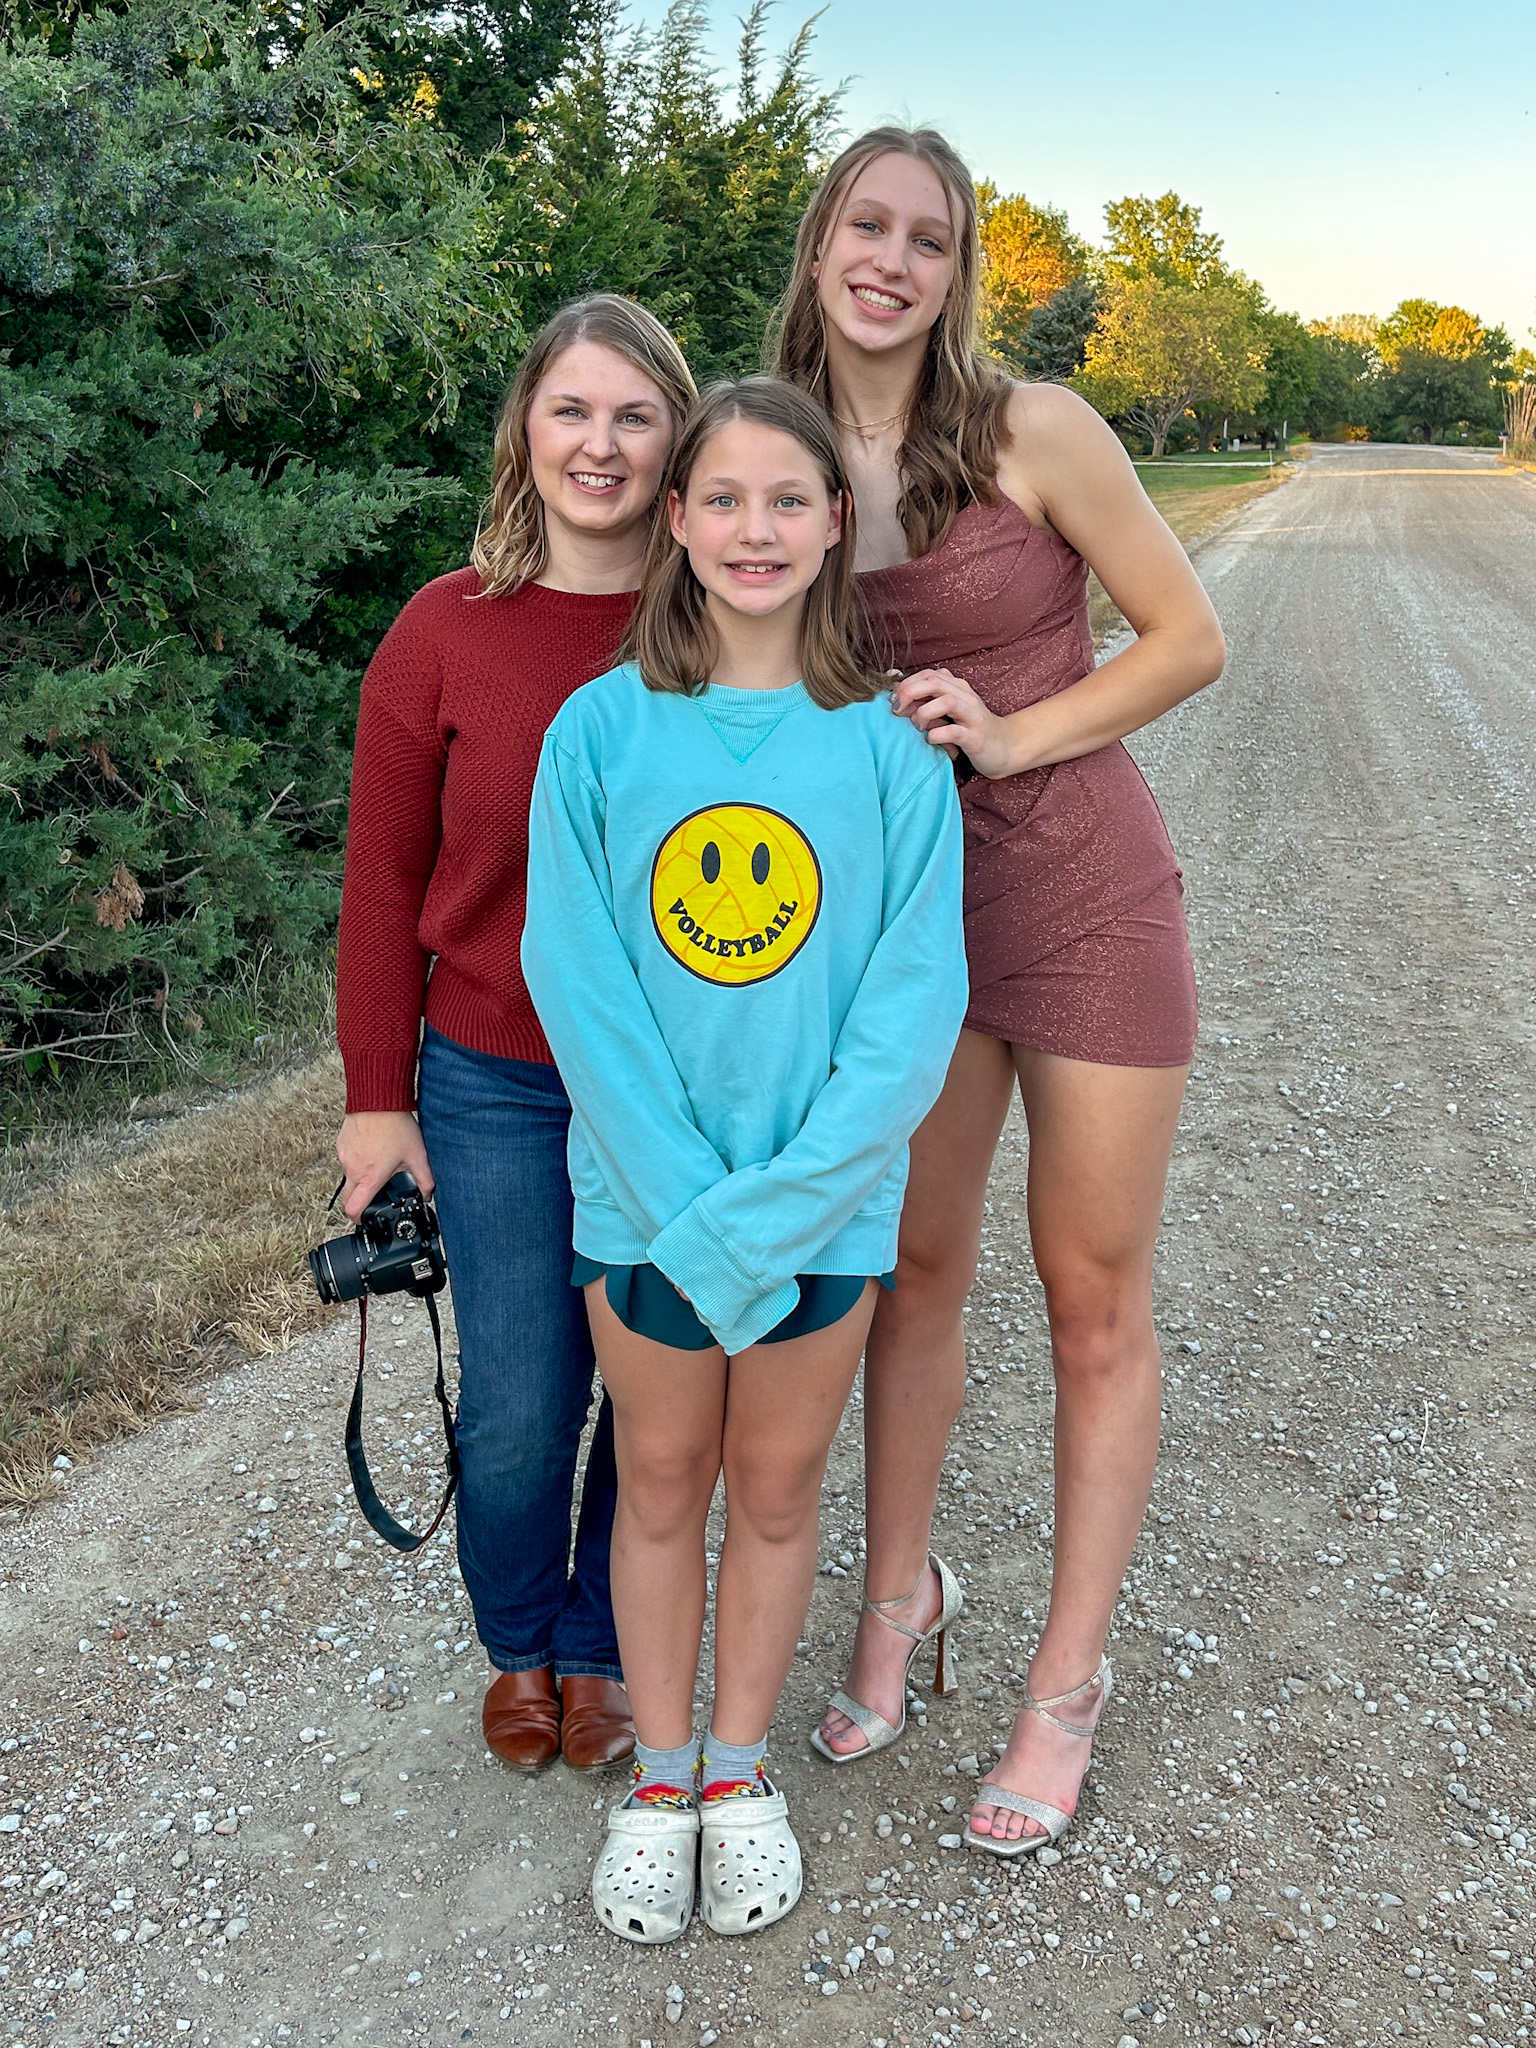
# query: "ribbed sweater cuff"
735,1304
380,1080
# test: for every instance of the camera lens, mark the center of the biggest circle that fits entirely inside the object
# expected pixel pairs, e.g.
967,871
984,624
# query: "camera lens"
337,1270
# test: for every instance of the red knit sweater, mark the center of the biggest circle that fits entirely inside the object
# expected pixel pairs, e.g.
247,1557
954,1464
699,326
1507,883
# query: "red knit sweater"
454,709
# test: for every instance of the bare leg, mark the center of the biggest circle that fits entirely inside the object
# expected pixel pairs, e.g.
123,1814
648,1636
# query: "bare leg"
1098,1160
783,1405
914,1368
669,1419
768,1416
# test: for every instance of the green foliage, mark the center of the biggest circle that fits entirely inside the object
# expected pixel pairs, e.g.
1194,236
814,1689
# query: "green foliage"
1441,369
1422,372
224,286
1056,342
1345,402
1161,350
1162,239
266,267
1030,257
639,180
1425,393
1182,332
1290,373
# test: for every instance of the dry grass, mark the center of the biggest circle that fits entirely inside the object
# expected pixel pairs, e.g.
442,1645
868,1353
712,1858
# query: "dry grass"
1192,511
1520,424
127,1278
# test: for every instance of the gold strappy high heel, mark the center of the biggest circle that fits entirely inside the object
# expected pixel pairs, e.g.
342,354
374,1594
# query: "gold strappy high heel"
1051,1818
877,1731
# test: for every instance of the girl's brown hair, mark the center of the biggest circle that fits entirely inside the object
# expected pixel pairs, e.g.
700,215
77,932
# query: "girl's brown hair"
670,638
511,545
948,456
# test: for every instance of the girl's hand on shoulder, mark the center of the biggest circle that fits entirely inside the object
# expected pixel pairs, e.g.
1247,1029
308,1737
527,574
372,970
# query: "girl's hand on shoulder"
374,1144
949,714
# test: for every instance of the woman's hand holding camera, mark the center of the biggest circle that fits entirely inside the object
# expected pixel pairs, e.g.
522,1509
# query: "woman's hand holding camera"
372,1145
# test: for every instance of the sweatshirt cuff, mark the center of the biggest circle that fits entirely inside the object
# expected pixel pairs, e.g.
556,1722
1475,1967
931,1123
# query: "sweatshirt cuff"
761,1316
378,1081
737,1306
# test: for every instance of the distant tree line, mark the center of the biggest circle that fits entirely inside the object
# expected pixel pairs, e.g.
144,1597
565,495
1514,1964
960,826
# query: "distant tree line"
1166,339
266,267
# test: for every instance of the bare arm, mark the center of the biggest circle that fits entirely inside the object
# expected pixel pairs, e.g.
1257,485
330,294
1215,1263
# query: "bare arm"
1065,468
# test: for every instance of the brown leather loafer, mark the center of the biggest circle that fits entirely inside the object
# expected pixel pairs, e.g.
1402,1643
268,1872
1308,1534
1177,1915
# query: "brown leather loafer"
595,1729
521,1718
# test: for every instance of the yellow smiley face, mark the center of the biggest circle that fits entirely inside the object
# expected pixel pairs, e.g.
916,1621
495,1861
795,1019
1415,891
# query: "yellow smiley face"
735,892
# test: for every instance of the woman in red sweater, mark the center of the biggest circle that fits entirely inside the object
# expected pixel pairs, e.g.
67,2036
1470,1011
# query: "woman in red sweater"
454,708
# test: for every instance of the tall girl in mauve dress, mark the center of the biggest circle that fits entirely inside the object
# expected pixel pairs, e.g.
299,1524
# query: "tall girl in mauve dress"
982,505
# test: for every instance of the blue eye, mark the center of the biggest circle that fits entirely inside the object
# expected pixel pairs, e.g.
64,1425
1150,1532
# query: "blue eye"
709,861
760,860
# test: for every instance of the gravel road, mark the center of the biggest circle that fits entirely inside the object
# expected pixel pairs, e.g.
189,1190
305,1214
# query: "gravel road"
244,1799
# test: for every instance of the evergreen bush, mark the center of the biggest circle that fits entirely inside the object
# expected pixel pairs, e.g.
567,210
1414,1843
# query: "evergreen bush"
230,289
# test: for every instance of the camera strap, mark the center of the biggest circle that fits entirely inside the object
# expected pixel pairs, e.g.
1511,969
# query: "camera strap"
395,1533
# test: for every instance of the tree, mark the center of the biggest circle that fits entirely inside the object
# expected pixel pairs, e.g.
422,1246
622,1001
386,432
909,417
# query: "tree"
1442,367
1056,343
475,66
1029,256
1162,239
1160,349
690,206
266,267
1427,393
1290,374
229,296
1432,329
1346,402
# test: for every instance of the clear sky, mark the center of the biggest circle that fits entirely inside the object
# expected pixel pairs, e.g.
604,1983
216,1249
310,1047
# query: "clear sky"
1350,153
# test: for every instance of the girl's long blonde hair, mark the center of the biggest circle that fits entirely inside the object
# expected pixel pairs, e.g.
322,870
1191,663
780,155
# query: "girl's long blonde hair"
511,545
948,456
670,638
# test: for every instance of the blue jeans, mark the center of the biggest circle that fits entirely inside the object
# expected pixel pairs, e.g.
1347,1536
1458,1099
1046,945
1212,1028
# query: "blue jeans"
495,1133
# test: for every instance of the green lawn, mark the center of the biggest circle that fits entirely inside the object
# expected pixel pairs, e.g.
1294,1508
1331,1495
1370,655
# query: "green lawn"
1202,472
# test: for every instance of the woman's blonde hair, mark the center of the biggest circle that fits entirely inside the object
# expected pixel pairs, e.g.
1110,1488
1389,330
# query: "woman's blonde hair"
511,545
670,638
948,456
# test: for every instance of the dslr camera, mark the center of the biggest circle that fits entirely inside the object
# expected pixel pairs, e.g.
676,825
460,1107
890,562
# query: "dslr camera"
396,1248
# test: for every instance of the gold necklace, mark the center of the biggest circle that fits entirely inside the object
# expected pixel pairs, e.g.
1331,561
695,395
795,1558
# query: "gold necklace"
869,426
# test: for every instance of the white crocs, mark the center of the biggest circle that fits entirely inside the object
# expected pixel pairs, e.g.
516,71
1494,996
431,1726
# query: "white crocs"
749,1863
644,1884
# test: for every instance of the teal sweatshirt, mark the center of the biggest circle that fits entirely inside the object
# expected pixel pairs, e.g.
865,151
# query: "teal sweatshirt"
744,943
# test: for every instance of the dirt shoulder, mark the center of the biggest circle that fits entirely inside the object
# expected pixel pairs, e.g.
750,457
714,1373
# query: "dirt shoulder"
167,1248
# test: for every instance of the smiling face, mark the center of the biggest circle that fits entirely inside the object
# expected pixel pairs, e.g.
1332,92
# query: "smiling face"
599,434
888,261
735,893
756,518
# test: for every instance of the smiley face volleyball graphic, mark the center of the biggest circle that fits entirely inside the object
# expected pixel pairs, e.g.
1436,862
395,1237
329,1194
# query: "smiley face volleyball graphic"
735,893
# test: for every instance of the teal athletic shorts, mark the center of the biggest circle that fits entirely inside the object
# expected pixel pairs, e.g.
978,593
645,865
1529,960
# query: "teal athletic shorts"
645,1301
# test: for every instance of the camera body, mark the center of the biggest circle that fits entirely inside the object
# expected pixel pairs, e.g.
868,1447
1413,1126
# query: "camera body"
395,1249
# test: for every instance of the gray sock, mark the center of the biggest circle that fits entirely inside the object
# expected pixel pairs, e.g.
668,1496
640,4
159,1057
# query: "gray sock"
733,1770
666,1777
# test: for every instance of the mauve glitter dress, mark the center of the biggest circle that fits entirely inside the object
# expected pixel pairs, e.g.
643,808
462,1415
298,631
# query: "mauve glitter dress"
1074,909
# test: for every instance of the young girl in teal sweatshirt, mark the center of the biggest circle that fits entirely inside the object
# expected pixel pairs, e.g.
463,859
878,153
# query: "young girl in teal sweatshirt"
744,944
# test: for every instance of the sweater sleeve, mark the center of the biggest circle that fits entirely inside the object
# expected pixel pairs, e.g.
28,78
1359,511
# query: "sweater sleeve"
394,830
742,1237
612,1058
